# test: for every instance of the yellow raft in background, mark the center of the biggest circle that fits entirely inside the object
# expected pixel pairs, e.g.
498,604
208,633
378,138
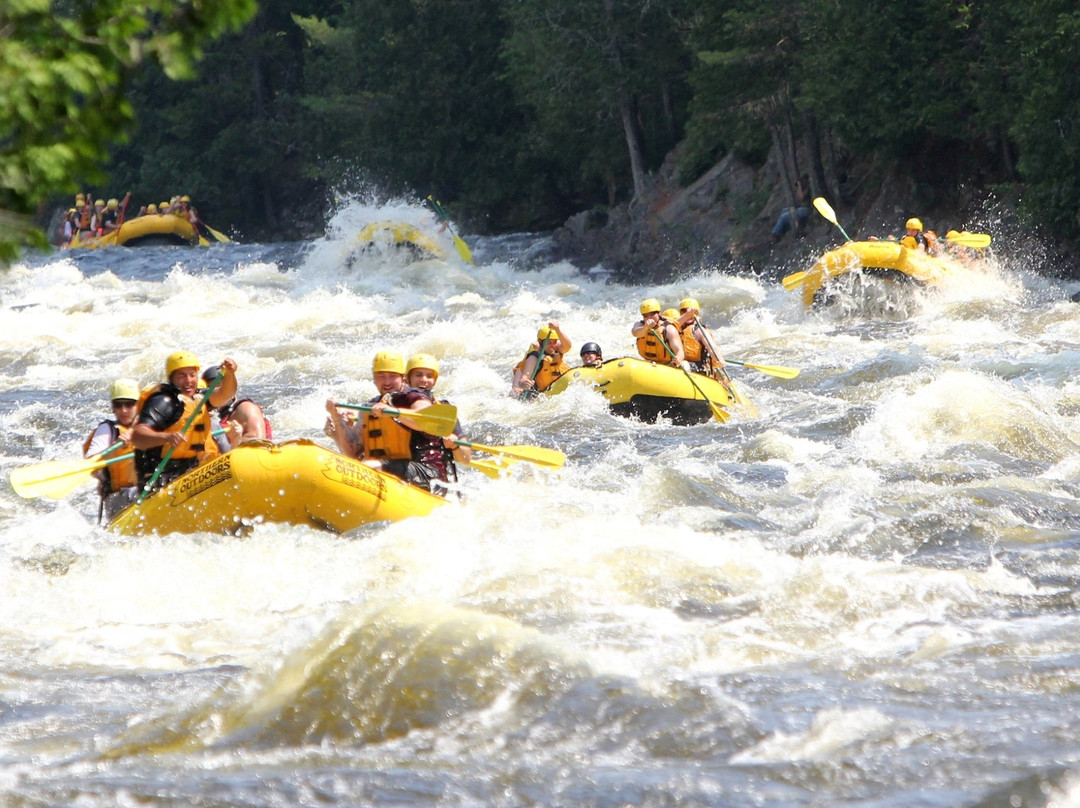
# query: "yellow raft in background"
296,482
399,234
149,230
646,390
888,259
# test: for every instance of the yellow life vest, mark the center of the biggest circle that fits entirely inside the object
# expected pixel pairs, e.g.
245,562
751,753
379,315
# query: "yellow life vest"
552,366
691,347
122,472
198,443
652,348
383,438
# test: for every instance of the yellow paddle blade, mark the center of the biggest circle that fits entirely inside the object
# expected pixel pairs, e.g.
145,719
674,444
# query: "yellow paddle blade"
496,467
824,208
438,419
550,458
779,371
789,282
976,241
54,478
216,233
462,248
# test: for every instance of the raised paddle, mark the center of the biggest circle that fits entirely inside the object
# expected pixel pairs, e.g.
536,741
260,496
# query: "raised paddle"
459,244
549,458
825,209
58,478
439,419
183,430
718,413
779,371
532,392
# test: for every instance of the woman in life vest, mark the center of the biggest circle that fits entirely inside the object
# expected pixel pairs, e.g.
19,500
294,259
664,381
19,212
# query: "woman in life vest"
658,339
117,483
391,443
172,416
913,238
421,373
242,419
536,372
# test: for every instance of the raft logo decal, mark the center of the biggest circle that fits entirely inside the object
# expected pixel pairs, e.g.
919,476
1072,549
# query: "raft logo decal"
201,479
355,475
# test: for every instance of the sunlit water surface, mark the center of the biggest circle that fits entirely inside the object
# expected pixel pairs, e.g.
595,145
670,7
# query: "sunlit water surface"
863,593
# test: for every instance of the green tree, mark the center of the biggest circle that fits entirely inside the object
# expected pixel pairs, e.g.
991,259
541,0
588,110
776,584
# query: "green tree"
601,72
63,71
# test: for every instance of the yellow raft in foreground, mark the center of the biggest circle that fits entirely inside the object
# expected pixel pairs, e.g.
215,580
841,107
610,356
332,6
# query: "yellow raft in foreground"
637,387
296,482
150,230
887,259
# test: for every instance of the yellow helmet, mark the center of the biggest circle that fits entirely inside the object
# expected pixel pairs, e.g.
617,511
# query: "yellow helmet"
179,359
185,198
80,197
914,224
124,390
546,332
425,361
650,305
388,362
99,203
113,204
163,206
151,208
689,303
671,315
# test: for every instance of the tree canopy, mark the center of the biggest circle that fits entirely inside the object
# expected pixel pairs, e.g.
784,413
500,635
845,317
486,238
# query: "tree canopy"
518,113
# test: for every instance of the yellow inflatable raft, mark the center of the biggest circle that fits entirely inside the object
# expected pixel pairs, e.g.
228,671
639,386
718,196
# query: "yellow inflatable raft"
886,259
646,390
295,482
399,234
150,230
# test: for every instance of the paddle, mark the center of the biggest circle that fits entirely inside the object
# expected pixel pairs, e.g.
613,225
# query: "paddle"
459,244
977,241
495,468
440,418
789,282
183,430
779,371
58,478
825,209
219,236
717,412
532,392
549,458
123,210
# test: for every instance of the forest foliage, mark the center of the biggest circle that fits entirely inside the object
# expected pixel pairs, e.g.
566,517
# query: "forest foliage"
518,113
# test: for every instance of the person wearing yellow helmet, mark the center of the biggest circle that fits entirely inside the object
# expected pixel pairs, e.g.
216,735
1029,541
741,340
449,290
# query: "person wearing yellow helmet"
391,443
698,342
117,482
421,373
174,420
913,238
110,217
544,362
658,338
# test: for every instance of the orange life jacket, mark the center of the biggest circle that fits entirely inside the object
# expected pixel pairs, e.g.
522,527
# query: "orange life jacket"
652,348
120,474
383,438
552,366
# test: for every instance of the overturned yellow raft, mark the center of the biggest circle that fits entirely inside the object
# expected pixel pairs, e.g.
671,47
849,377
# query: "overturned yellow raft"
296,482
885,258
399,234
646,390
150,230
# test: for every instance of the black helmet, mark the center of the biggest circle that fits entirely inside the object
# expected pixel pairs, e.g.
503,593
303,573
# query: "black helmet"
211,373
591,347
